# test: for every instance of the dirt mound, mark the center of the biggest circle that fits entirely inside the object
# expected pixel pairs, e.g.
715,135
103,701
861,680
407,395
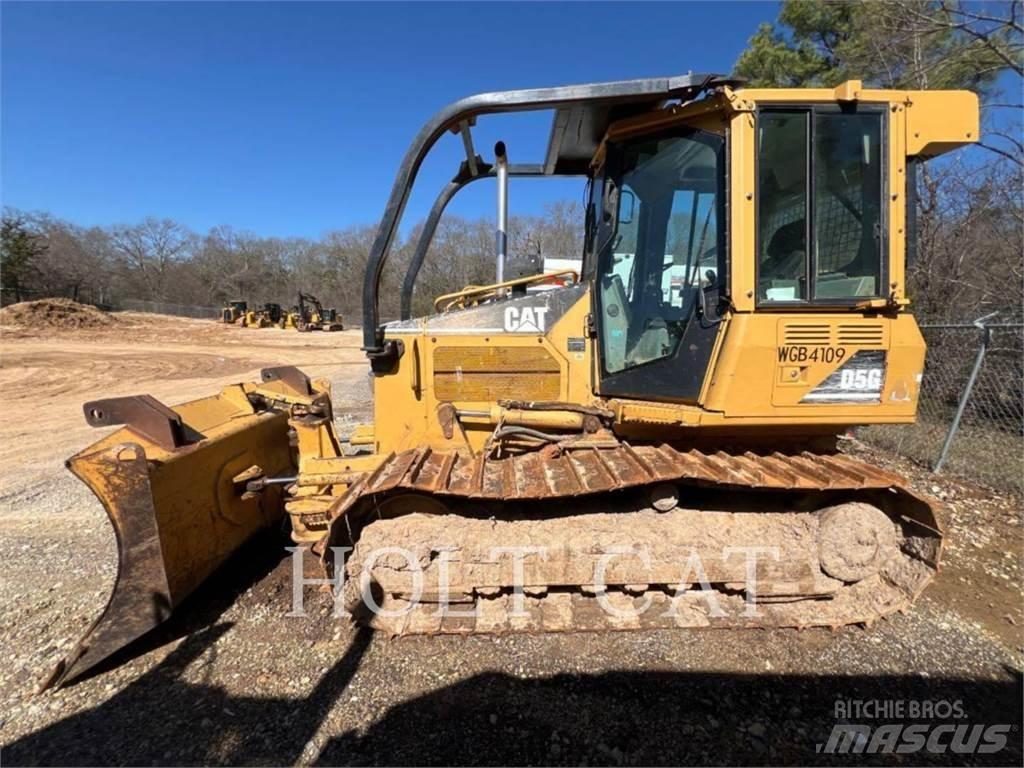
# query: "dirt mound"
54,313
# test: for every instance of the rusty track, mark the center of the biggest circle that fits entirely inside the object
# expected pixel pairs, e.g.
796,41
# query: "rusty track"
550,473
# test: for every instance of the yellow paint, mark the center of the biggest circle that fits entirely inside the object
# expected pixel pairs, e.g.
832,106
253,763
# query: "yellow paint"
196,508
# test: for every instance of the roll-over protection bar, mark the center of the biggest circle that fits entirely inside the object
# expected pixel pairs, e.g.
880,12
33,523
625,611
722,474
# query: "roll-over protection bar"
586,109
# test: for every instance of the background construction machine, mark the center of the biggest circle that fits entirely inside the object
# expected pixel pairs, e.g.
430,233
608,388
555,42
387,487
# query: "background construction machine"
312,316
269,315
289,319
250,319
233,312
308,315
741,302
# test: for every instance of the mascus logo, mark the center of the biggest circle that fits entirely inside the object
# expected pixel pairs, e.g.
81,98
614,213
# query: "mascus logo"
899,738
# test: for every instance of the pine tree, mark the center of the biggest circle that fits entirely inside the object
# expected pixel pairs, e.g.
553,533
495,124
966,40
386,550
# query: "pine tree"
19,248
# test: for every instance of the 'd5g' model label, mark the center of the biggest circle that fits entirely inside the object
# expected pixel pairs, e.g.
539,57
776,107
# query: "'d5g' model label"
859,380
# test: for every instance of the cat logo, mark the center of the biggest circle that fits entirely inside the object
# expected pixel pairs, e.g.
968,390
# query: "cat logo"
525,319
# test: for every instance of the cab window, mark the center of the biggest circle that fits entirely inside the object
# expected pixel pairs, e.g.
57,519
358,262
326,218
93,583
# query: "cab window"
820,192
665,246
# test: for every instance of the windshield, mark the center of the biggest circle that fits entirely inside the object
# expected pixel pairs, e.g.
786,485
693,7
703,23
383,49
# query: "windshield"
665,245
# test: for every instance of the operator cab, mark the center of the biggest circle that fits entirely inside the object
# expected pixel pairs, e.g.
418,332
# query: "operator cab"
744,251
657,233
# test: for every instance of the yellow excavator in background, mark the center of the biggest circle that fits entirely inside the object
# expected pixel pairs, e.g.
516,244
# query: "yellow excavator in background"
312,316
740,303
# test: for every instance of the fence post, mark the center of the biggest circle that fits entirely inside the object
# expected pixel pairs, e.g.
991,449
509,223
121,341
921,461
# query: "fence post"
986,335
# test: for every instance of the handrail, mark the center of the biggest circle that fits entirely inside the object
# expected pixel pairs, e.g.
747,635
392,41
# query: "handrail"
448,299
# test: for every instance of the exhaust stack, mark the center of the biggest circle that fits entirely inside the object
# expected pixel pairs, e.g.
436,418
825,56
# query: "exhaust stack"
501,163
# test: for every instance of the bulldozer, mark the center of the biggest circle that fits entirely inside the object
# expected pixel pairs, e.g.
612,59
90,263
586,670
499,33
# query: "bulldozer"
233,312
272,315
312,316
268,316
586,457
251,318
289,319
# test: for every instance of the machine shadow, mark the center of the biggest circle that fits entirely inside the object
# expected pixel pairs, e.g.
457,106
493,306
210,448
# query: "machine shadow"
160,719
616,718
660,718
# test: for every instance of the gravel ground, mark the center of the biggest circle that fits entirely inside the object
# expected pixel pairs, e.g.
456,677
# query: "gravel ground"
232,679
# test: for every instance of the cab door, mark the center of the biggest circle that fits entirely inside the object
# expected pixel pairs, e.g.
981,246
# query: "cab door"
660,264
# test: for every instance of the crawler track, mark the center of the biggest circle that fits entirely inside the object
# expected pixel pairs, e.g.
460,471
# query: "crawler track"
840,541
574,471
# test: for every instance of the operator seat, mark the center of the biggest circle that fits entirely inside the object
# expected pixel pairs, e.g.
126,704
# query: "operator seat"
653,340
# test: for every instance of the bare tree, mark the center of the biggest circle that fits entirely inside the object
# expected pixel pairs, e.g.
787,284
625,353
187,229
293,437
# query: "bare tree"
148,249
948,44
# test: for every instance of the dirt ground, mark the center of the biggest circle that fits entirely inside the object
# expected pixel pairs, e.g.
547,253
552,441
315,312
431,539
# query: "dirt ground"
232,679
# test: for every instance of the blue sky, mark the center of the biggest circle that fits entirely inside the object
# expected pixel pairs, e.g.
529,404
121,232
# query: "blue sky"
291,119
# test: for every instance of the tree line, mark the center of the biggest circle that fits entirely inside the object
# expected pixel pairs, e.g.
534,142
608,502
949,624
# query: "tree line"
164,261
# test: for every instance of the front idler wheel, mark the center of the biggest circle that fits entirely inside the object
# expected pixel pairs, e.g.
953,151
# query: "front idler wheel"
855,540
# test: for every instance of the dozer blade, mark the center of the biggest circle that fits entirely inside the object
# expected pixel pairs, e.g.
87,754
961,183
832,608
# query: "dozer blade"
173,483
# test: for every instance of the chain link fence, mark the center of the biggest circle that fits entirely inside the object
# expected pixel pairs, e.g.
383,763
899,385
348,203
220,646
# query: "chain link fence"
168,308
970,418
9,296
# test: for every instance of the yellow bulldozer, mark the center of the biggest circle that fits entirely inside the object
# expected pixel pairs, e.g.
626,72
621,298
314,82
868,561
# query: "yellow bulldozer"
233,312
252,318
268,316
290,319
606,454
